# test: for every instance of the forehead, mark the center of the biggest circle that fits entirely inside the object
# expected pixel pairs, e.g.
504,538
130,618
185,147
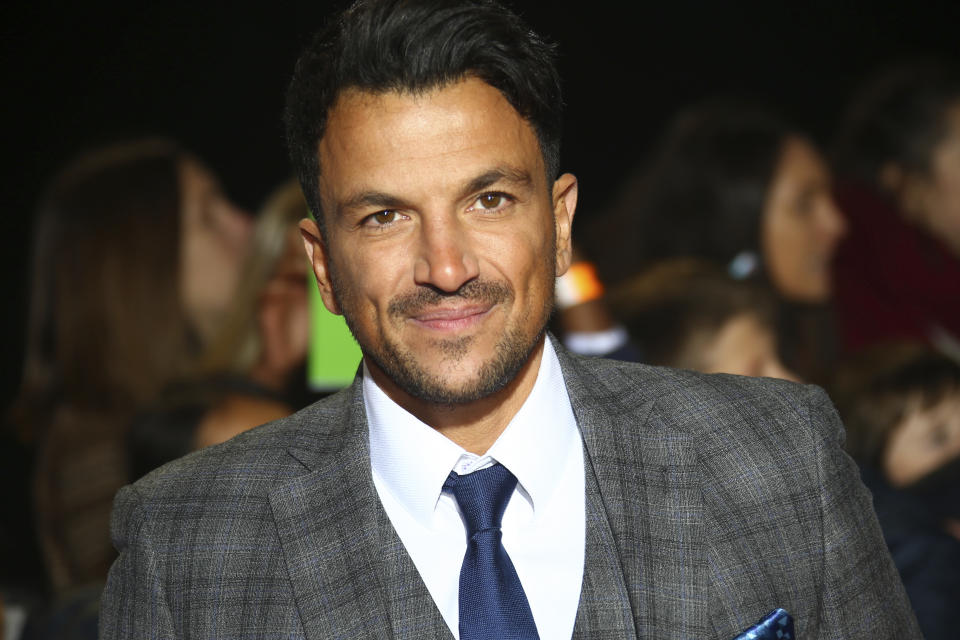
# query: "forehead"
428,140
798,156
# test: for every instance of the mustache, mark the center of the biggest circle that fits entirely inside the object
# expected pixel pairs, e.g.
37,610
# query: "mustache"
484,291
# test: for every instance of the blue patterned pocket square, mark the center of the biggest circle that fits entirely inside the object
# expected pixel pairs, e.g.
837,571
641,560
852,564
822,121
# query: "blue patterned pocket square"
776,625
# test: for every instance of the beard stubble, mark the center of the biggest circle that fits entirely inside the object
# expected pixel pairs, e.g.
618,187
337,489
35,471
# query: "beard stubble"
402,365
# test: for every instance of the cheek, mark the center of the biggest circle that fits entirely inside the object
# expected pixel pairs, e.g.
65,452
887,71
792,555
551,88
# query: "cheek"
199,264
795,258
782,242
519,254
907,458
533,267
364,281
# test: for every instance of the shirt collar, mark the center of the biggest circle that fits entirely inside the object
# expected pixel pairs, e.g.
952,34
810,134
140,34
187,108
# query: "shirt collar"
413,460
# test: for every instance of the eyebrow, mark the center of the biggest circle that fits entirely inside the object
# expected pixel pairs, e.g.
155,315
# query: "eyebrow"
383,200
517,177
377,199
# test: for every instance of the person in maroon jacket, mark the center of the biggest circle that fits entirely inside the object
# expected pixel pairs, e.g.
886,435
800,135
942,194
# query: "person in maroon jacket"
897,272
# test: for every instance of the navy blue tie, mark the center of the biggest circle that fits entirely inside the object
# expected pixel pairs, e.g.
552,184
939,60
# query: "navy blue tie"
492,602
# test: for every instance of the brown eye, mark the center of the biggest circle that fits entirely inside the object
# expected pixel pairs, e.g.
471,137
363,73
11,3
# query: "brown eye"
491,200
384,217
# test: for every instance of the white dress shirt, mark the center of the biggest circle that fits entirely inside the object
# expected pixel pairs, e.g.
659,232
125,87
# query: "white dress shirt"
544,523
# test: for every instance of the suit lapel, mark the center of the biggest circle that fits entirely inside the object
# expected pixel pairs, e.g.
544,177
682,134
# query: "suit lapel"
351,575
648,483
604,610
413,613
327,523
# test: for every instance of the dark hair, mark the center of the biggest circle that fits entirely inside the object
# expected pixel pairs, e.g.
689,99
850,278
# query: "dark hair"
167,428
416,46
161,434
106,326
667,306
875,389
898,116
106,330
702,195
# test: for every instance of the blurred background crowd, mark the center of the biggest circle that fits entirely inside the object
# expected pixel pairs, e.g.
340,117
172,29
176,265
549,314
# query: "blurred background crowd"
766,191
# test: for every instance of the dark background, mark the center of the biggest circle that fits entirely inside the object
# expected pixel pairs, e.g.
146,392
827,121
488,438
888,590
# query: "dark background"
81,74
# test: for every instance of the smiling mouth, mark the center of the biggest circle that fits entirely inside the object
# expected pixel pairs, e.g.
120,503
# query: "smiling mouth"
455,312
445,319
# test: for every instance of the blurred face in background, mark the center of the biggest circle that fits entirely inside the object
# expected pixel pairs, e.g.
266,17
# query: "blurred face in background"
801,225
215,236
744,346
283,316
926,439
932,200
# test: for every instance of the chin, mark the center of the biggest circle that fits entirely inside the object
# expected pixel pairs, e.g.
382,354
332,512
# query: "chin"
463,373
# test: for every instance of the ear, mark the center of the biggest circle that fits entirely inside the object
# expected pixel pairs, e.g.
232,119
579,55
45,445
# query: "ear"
317,254
564,205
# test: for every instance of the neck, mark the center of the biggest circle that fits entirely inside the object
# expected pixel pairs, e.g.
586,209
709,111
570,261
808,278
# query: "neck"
476,425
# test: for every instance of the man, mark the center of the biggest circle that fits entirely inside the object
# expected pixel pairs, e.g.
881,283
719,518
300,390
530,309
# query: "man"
476,480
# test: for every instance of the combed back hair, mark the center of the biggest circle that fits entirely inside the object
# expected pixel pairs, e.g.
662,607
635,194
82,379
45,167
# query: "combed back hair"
875,390
701,195
898,116
669,307
415,46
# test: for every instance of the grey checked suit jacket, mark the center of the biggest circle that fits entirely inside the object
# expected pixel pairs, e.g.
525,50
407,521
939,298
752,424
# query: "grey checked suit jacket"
710,501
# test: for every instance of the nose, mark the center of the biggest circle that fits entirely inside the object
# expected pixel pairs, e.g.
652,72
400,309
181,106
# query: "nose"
445,258
833,226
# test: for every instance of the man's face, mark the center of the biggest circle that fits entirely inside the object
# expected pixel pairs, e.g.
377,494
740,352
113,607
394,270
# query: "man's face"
442,237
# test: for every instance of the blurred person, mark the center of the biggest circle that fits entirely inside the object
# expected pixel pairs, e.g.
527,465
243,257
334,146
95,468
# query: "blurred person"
255,364
253,372
737,186
247,375
137,252
901,405
167,429
692,315
477,479
898,159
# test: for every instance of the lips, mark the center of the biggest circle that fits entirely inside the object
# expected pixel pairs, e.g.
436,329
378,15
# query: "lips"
434,309
452,318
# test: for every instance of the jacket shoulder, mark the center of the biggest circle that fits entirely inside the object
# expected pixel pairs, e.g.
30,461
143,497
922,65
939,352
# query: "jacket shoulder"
690,401
256,460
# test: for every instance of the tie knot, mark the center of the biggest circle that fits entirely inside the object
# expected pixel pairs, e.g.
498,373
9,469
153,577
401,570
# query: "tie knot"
482,495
